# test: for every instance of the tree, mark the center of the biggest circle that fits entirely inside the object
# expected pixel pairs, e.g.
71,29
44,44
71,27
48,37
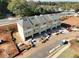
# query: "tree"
1,15
3,8
40,10
20,7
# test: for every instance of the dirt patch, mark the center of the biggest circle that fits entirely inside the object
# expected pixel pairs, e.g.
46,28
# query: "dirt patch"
75,46
8,48
73,21
10,27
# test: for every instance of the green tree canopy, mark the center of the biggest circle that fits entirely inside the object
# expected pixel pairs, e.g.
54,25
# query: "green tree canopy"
20,7
1,15
3,6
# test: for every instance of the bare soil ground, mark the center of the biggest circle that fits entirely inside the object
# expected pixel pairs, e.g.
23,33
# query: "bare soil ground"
75,46
8,48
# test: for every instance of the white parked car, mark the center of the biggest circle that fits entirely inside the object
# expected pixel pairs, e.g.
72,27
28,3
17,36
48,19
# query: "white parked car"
64,41
64,31
1,41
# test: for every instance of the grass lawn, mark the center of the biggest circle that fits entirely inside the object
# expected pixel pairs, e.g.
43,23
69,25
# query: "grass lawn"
71,52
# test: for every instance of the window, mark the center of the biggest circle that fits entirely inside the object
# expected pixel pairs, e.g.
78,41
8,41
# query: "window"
32,18
44,23
50,21
55,20
34,30
25,33
28,27
37,25
37,28
29,32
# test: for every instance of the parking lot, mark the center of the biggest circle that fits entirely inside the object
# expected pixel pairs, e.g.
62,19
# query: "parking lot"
42,49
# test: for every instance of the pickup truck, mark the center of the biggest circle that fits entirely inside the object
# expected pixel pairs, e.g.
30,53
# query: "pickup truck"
23,46
44,39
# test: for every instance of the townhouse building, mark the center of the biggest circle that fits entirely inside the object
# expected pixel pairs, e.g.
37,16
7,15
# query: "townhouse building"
28,26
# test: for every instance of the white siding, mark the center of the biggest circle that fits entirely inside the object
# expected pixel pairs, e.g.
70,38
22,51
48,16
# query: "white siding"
20,29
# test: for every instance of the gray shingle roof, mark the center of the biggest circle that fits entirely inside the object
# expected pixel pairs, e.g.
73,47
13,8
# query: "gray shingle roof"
34,20
26,24
47,17
54,16
42,19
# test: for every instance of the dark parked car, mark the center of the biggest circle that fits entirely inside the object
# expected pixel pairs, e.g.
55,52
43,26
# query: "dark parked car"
1,41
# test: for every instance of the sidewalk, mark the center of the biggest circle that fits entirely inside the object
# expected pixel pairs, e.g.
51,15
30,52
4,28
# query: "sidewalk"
59,52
